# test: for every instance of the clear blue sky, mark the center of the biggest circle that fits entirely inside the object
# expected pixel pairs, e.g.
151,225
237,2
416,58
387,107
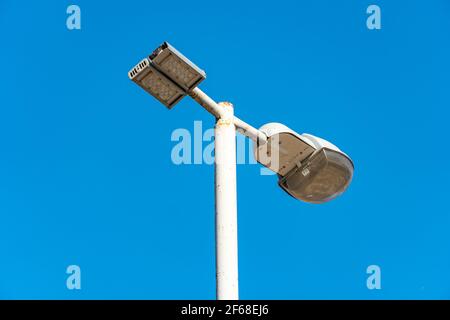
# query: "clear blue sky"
86,176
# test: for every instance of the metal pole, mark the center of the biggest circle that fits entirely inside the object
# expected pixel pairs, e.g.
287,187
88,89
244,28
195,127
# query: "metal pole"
226,205
225,180
212,107
249,131
206,102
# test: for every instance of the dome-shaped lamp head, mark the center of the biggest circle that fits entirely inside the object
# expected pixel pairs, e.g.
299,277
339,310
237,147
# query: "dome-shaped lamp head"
309,168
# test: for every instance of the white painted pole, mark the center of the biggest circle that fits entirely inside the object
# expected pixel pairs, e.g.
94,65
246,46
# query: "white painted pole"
226,206
249,131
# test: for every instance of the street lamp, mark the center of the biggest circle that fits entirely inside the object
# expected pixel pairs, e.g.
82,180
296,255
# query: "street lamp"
309,168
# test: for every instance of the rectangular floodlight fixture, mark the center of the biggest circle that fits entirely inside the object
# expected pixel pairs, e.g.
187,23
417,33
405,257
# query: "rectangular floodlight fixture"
177,67
155,83
167,75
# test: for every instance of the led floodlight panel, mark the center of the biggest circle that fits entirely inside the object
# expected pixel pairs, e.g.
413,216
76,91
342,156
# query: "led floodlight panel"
177,67
167,75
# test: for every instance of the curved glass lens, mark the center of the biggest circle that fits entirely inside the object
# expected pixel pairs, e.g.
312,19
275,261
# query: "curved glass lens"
323,177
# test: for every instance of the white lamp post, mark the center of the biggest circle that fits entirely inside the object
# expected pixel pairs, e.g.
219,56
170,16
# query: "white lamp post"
309,168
